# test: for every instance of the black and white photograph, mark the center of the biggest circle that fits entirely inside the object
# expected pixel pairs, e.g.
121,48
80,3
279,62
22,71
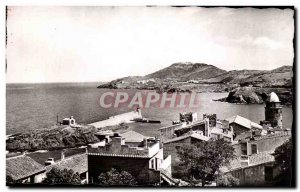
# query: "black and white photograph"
150,96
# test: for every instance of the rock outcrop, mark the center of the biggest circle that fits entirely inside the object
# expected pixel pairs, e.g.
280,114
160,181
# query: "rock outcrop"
255,95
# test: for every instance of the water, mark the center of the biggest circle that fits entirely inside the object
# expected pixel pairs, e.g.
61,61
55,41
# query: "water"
33,106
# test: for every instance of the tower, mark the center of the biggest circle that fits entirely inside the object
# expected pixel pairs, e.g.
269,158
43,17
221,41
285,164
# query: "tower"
273,111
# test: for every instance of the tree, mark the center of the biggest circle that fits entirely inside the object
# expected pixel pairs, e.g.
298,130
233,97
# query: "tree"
116,178
283,159
203,159
59,176
11,181
227,181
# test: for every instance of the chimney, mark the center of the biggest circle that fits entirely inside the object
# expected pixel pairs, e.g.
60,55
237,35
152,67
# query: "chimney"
62,154
116,143
207,128
145,143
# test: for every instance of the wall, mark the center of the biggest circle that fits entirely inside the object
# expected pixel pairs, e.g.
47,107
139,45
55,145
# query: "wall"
268,143
171,149
254,175
39,177
167,133
166,166
264,143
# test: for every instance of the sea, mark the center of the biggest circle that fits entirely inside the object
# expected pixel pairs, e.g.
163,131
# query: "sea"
35,106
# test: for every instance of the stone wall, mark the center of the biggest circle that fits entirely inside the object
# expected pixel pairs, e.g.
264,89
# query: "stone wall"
255,175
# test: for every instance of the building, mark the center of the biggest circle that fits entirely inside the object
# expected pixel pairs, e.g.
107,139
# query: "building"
212,119
273,112
254,164
168,132
171,146
173,137
69,121
188,117
240,124
256,143
142,159
262,174
77,163
23,169
221,130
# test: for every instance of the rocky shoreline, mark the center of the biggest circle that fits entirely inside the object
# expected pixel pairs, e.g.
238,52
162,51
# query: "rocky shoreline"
256,95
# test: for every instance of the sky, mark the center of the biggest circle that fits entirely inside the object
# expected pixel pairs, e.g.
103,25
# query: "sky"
91,44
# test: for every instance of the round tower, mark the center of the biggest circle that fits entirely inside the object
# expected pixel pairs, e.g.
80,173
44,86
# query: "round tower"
273,111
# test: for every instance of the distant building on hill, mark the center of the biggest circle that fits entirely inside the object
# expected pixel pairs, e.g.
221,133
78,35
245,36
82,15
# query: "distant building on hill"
69,121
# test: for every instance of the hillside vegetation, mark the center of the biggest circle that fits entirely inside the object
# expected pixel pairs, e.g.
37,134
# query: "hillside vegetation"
56,137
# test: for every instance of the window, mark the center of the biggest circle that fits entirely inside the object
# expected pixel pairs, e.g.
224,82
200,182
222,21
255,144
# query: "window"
254,148
244,148
152,164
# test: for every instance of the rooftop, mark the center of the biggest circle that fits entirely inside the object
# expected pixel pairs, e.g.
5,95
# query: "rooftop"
78,163
117,147
244,122
132,136
22,166
192,135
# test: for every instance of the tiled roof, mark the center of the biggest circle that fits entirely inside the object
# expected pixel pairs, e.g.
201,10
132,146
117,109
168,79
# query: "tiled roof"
132,136
244,122
193,135
22,166
78,163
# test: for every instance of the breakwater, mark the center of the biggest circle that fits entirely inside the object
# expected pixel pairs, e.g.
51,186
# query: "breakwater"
118,119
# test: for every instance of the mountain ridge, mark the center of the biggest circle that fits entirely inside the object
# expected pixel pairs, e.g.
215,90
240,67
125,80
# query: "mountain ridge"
184,76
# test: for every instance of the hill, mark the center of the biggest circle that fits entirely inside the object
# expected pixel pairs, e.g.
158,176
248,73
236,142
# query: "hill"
187,71
202,77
